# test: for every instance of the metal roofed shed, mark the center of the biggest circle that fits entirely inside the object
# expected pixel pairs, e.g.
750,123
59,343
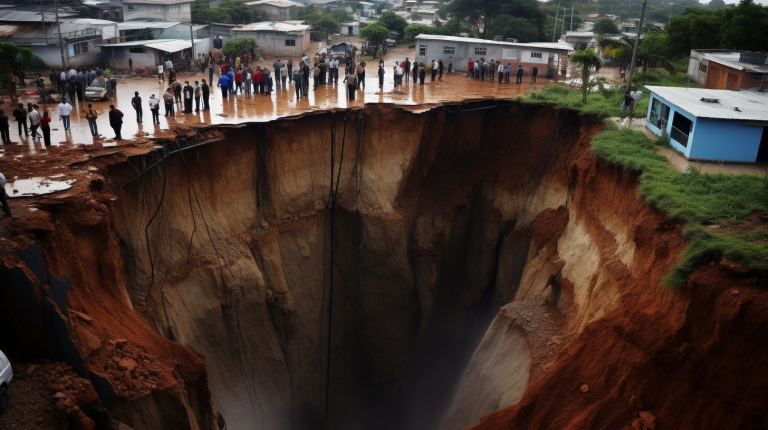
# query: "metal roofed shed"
30,16
707,124
276,10
140,25
149,53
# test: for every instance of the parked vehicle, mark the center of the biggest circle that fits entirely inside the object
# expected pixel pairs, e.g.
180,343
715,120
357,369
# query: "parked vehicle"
97,90
6,374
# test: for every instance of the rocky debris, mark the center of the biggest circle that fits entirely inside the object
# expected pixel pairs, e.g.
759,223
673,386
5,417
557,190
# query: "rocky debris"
648,419
48,396
636,404
584,388
734,267
543,326
82,316
734,291
132,372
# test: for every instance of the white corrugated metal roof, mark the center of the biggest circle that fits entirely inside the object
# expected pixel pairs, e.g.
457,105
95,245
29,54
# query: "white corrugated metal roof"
138,25
277,3
29,16
752,106
280,27
167,45
557,46
731,59
158,1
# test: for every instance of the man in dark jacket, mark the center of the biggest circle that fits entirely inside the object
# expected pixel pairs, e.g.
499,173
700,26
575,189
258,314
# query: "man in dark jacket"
21,117
189,92
206,95
298,83
136,103
116,121
4,127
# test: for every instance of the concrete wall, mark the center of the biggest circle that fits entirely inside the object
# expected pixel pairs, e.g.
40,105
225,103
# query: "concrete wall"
712,139
171,12
51,55
725,78
271,43
149,58
275,13
463,51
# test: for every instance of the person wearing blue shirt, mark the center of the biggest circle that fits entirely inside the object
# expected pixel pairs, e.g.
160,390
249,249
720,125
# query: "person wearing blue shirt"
224,84
298,80
519,79
230,76
507,71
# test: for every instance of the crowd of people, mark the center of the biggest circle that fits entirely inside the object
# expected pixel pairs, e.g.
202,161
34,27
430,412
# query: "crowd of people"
492,71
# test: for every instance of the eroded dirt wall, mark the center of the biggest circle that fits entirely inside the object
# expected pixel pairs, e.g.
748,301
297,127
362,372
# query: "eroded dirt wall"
228,250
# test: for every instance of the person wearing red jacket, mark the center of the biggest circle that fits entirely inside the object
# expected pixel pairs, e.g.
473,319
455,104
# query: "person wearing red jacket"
45,126
238,82
256,79
470,68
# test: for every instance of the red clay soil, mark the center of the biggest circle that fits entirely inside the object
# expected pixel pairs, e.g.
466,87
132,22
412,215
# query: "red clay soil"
685,356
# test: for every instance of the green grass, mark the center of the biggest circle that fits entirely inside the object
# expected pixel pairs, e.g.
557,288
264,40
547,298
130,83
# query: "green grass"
695,199
607,102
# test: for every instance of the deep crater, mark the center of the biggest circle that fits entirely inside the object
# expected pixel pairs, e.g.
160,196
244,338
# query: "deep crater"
338,270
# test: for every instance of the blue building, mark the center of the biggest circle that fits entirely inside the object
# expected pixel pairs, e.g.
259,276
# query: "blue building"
709,124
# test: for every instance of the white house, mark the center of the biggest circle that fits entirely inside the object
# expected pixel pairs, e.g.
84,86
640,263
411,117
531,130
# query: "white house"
160,10
277,10
276,37
349,28
537,54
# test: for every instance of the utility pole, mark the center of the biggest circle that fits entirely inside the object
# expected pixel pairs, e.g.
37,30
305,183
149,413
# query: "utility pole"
192,60
634,58
557,15
571,17
58,29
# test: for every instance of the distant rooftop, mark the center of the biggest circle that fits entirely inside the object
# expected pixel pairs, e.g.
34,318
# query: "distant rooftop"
752,106
277,26
740,60
276,3
157,1
140,25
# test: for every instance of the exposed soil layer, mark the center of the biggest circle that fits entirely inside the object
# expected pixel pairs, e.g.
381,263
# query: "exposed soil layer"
345,268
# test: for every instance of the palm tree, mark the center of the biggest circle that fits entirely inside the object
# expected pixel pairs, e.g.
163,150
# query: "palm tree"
588,60
622,48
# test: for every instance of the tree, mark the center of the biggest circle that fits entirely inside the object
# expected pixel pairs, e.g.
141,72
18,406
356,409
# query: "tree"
12,57
508,26
716,4
376,33
652,52
326,23
605,26
228,12
240,46
393,22
414,30
482,12
587,60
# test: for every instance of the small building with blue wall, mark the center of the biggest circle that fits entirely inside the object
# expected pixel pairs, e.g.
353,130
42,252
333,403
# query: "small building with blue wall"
706,124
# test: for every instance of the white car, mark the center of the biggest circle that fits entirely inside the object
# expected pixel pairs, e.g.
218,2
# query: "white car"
6,374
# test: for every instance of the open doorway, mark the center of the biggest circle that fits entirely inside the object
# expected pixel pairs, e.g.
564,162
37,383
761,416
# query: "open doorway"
762,152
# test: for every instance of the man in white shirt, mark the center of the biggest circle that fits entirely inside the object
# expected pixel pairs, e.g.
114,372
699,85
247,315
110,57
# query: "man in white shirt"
154,107
500,71
398,75
34,123
72,73
65,109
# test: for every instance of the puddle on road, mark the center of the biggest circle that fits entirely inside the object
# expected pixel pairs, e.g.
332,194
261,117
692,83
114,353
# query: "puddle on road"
36,187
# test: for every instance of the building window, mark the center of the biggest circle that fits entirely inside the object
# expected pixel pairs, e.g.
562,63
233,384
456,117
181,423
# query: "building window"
659,114
480,52
681,128
703,68
449,50
78,48
535,54
757,76
290,42
422,50
130,7
138,50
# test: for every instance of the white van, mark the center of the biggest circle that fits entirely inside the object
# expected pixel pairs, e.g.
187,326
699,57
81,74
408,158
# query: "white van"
6,374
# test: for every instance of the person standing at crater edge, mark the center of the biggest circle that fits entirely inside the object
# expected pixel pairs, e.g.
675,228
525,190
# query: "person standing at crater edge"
3,197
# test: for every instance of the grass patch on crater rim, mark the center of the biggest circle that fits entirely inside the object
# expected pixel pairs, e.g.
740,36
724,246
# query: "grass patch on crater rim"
697,200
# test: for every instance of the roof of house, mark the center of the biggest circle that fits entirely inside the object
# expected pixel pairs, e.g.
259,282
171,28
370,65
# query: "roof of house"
160,2
556,46
731,59
139,25
32,34
752,106
276,26
167,45
276,3
30,16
